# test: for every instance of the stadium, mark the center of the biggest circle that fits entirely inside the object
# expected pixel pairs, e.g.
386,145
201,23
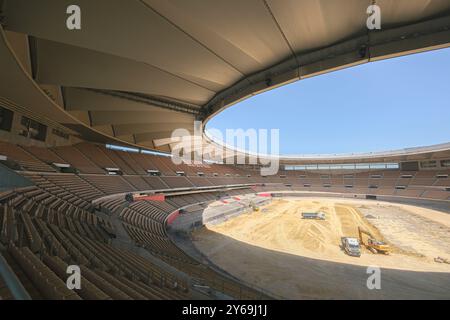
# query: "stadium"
111,187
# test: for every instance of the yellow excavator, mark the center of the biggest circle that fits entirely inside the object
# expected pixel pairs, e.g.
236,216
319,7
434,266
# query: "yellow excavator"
372,244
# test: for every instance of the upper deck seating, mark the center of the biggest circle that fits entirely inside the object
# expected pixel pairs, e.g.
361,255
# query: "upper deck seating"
109,184
45,154
96,155
25,159
77,159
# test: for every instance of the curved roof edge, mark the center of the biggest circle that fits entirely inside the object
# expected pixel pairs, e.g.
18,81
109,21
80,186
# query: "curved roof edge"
376,45
442,147
437,151
420,37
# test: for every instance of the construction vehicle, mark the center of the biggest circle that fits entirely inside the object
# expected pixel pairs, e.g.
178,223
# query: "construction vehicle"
253,206
313,215
441,260
351,246
373,245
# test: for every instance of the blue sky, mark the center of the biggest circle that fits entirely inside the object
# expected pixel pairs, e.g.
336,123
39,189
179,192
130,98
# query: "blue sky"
385,105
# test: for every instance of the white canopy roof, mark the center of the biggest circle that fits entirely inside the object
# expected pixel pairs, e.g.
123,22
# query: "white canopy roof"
139,69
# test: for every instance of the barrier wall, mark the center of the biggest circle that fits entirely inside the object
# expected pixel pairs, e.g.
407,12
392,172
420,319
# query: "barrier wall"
171,218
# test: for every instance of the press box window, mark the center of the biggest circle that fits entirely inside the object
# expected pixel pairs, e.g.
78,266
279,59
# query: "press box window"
428,164
153,173
6,118
33,129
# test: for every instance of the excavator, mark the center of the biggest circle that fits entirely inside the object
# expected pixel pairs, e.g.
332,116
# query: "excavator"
372,244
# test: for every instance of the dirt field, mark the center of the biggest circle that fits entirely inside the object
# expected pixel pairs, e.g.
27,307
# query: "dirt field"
277,250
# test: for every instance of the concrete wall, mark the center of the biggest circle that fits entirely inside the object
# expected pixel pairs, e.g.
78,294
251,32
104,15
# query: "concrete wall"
14,137
440,205
185,223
